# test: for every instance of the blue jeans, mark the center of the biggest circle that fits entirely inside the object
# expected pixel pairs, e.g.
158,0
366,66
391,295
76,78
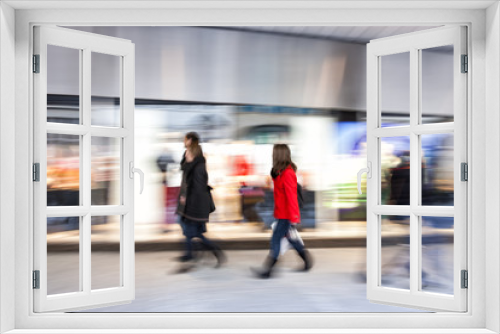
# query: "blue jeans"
280,231
192,229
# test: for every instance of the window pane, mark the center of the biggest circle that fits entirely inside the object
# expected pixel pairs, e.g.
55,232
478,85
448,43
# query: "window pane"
437,169
63,255
105,252
106,76
437,84
63,85
395,170
106,171
437,254
395,254
395,89
63,170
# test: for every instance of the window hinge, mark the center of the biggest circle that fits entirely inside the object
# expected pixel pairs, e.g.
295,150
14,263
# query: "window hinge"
36,172
36,279
36,63
464,167
465,64
465,279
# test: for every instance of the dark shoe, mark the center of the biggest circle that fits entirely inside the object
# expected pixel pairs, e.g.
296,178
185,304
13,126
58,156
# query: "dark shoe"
308,262
218,253
221,258
361,276
267,270
185,258
184,268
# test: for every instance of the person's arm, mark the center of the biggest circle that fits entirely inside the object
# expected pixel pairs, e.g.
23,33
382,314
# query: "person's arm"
290,184
183,158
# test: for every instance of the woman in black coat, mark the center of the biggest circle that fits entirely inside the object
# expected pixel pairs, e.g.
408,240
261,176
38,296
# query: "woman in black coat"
195,201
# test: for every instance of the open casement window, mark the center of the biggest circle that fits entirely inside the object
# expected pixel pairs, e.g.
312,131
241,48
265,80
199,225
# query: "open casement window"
417,197
83,167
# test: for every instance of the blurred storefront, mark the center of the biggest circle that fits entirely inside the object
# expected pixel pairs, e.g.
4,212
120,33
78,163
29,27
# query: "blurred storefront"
237,142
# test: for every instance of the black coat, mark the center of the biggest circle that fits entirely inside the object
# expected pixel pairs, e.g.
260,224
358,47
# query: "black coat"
195,176
400,185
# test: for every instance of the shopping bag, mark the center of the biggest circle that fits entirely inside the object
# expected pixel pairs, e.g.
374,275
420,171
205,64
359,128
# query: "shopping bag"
292,234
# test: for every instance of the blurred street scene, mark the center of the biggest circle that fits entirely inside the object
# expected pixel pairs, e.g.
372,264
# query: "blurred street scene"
243,92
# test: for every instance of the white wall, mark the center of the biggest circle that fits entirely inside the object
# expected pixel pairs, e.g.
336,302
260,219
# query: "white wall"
7,160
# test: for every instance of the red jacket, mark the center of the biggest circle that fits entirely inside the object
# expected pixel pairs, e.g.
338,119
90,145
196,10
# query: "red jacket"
286,205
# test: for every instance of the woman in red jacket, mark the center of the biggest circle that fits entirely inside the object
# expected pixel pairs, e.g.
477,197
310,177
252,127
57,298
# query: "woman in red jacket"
286,209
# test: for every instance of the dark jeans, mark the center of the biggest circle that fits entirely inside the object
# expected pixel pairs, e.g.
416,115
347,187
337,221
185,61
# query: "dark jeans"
280,231
192,229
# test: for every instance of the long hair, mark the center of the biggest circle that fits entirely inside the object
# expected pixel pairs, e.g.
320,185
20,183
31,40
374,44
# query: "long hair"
282,158
195,147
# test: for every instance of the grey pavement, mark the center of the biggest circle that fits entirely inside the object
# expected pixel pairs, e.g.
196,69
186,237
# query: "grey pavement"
335,284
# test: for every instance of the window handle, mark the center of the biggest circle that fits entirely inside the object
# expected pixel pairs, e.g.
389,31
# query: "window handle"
133,170
368,172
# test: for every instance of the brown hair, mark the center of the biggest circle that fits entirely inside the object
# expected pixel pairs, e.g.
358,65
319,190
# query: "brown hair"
195,147
282,158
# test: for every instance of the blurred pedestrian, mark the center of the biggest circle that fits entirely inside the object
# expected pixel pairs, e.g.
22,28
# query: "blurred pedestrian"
286,210
195,201
400,181
162,162
170,193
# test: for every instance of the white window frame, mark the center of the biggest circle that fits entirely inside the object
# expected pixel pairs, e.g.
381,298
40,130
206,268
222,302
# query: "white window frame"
413,44
85,44
483,102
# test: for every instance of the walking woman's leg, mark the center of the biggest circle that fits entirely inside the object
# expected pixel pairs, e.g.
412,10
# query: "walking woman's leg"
279,232
189,247
303,253
210,245
188,243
